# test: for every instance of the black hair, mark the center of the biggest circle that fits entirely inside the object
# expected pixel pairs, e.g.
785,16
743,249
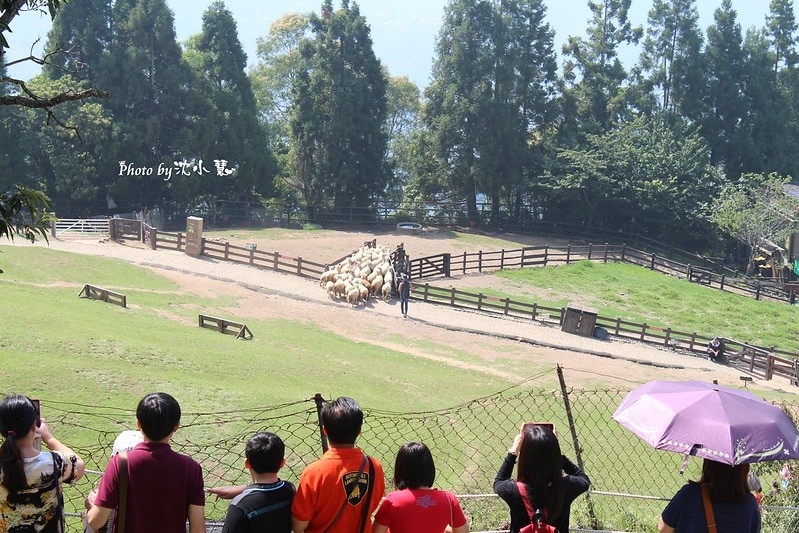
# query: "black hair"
541,467
265,452
159,414
17,417
727,483
414,467
342,419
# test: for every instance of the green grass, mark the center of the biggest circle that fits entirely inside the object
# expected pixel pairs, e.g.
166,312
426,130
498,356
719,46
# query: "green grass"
640,295
61,348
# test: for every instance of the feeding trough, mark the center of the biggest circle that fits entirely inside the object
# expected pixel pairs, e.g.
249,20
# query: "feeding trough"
409,227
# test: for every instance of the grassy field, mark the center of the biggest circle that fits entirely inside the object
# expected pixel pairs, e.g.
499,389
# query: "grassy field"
102,359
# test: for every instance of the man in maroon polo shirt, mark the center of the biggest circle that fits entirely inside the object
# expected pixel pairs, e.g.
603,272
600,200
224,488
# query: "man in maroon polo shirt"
165,488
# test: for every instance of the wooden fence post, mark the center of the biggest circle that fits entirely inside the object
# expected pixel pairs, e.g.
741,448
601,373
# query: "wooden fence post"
623,250
480,261
546,254
606,252
480,301
652,262
276,261
447,265
643,330
299,266
452,296
721,286
464,263
568,252
590,246
535,310
618,325
502,260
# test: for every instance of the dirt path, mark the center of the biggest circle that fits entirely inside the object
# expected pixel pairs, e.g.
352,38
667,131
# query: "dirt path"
263,294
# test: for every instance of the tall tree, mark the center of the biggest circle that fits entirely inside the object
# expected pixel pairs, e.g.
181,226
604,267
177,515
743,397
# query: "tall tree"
458,94
599,93
272,77
781,28
152,107
338,120
724,104
672,55
80,38
404,105
230,129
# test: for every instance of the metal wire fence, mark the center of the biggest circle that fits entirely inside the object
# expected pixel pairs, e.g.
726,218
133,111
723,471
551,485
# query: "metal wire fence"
631,483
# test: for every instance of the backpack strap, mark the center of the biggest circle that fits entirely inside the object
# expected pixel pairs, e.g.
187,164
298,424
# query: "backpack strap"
525,499
122,464
528,505
709,516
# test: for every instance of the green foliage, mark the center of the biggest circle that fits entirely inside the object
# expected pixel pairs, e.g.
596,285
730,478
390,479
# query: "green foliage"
338,161
756,209
601,100
24,212
647,176
231,131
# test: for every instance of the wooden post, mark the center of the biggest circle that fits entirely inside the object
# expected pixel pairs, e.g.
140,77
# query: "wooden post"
299,266
568,253
590,246
643,330
652,263
606,252
447,265
452,296
623,250
502,260
546,254
535,310
276,258
507,305
480,301
480,261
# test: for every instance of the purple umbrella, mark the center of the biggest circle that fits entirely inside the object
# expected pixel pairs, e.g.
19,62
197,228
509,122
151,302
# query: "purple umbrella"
710,421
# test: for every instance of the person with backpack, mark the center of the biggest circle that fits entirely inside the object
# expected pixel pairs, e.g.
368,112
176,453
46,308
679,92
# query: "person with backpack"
547,482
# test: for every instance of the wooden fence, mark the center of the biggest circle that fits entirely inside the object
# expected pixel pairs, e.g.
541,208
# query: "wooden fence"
764,362
224,251
445,265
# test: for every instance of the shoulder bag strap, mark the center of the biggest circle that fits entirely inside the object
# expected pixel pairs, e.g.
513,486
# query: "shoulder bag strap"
122,465
525,499
711,518
368,497
344,504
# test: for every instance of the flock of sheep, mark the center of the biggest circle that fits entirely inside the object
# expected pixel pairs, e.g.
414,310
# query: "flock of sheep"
366,273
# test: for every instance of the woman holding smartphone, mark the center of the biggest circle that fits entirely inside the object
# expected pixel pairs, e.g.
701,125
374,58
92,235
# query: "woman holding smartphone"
30,479
549,479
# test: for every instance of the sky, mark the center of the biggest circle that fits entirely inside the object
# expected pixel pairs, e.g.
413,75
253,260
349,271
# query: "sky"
403,33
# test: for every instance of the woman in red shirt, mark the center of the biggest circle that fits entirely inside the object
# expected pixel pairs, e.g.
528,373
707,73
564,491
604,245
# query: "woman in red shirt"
416,507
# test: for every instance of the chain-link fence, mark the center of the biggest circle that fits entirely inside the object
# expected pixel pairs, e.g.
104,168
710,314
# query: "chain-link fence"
630,482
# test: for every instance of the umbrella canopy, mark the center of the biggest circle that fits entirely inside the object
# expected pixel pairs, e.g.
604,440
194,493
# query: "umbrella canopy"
710,421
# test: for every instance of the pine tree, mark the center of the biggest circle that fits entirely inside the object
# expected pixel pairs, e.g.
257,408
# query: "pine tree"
230,128
338,120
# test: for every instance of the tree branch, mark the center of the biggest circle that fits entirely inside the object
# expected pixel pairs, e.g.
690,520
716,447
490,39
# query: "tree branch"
35,102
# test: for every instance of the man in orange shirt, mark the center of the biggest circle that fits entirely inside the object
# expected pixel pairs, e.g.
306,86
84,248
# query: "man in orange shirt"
339,492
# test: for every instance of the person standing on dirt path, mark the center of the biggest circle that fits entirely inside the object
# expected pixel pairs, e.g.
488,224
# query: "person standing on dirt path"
405,288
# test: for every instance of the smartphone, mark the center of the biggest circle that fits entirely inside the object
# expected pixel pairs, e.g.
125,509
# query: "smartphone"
37,404
549,425
37,441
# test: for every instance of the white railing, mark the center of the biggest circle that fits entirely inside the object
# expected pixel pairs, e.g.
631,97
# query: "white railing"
80,226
